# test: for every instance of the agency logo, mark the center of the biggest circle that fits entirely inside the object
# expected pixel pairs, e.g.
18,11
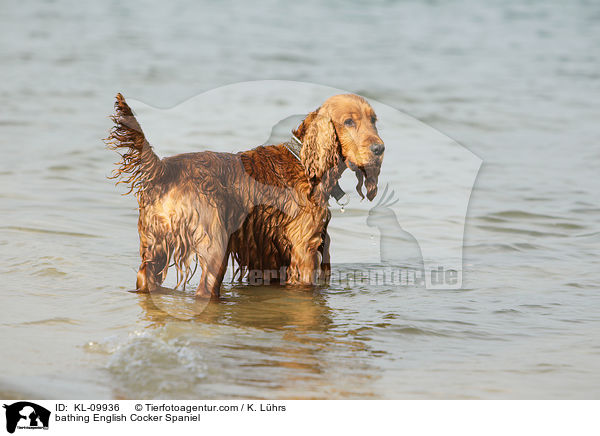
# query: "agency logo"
411,234
26,415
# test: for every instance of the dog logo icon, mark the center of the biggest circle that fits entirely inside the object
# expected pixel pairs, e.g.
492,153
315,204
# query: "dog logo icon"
26,415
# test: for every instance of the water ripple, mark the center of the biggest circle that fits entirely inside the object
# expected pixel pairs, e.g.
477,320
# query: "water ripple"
47,231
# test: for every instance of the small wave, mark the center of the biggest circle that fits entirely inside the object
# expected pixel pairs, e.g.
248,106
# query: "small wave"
548,367
566,226
52,321
60,168
50,272
534,306
506,311
413,330
501,247
449,321
14,123
407,329
527,246
521,231
47,231
588,235
286,58
486,248
491,219
592,210
521,214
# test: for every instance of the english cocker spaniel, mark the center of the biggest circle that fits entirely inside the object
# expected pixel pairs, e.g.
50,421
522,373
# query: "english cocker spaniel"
266,209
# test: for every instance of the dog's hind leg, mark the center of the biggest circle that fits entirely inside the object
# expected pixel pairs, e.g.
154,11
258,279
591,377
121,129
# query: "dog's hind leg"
142,283
151,272
325,259
213,261
154,265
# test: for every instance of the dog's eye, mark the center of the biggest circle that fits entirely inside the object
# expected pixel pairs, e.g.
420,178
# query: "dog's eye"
349,122
373,119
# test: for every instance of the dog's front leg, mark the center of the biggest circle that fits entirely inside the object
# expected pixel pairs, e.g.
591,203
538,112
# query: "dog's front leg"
303,265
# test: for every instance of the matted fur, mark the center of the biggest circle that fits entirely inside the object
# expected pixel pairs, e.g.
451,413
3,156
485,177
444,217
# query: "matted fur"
262,208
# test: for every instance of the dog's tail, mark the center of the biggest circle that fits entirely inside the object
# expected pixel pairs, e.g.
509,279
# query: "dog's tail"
139,165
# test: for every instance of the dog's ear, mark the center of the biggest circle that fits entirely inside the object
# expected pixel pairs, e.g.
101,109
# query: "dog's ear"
320,145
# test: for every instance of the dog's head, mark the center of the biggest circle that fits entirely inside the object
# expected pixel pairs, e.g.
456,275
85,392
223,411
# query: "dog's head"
342,132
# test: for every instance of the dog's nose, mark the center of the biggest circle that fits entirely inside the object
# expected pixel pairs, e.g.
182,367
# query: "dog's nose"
377,149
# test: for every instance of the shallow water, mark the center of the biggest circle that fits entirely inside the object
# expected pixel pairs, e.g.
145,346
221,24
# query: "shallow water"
516,84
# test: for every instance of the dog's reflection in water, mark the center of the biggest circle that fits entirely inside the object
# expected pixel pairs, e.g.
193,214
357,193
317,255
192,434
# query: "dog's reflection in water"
264,307
274,341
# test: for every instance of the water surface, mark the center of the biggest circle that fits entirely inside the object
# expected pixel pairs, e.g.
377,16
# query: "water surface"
515,83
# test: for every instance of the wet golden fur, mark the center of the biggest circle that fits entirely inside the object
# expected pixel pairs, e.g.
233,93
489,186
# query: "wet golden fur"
262,208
